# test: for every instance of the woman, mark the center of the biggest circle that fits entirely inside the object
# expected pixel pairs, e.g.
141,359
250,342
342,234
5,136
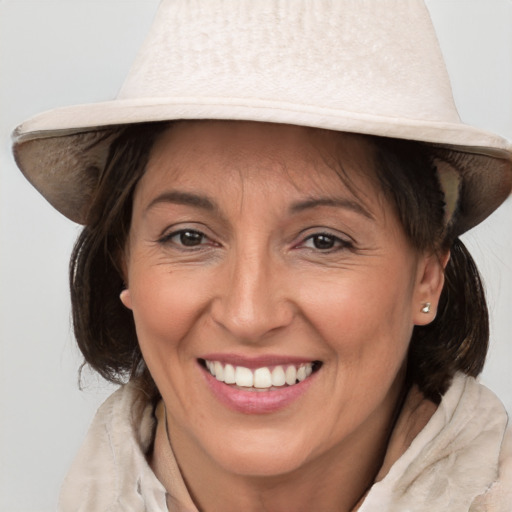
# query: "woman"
282,283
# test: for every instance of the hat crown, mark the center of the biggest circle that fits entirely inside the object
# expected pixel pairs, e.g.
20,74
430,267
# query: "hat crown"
363,66
369,57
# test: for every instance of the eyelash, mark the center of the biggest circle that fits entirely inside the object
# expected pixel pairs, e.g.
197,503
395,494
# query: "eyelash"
166,239
336,243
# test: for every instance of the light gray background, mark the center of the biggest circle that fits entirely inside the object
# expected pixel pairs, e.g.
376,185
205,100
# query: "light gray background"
54,53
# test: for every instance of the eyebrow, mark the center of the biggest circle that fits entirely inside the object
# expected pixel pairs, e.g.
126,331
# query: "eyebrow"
345,203
184,198
205,203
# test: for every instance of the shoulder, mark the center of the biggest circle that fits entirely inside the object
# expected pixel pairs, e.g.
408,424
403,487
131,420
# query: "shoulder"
460,461
498,498
110,470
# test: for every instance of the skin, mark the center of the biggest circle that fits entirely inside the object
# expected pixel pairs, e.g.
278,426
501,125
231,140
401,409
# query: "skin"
259,282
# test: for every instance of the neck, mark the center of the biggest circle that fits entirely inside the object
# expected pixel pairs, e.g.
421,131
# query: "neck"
321,485
336,480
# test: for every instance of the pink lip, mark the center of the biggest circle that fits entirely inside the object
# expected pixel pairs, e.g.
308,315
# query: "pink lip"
255,402
256,362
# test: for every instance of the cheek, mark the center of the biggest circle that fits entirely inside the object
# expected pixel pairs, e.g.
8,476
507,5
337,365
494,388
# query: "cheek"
366,318
166,307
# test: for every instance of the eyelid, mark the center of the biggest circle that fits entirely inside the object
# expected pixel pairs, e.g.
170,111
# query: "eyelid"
171,234
341,240
323,230
172,231
185,225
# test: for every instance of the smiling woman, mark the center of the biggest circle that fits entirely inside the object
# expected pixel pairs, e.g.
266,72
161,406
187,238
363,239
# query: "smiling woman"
280,286
286,274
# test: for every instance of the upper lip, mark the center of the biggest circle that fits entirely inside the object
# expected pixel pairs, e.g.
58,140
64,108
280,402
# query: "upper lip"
253,362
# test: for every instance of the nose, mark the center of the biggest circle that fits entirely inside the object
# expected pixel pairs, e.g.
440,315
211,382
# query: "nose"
252,302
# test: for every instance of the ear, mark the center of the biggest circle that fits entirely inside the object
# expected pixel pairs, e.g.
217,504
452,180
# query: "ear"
126,298
429,285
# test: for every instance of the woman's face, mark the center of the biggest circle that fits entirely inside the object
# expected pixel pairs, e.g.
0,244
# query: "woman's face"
248,254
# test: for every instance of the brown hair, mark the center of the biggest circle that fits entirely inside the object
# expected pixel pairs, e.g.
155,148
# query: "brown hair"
104,328
455,341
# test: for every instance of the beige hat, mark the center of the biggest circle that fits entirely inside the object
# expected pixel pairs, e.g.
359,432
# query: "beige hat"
364,66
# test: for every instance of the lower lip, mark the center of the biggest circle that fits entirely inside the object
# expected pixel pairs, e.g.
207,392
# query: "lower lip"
256,402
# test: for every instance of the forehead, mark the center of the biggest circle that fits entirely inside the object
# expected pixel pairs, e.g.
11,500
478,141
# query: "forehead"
212,155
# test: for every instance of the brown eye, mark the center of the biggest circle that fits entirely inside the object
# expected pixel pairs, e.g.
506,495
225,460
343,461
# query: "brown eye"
326,242
185,238
191,238
323,241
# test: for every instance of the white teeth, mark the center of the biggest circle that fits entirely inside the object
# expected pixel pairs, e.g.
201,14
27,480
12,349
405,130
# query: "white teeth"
278,376
291,375
260,378
244,377
229,374
219,371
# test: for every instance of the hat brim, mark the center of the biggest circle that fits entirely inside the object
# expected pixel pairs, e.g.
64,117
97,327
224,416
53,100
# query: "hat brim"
62,151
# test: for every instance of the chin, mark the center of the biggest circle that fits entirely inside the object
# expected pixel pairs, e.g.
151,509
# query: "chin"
260,460
260,451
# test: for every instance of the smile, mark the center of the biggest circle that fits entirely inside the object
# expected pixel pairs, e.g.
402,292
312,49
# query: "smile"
265,378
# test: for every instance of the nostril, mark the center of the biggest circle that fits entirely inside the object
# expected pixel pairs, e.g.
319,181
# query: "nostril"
250,304
252,320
